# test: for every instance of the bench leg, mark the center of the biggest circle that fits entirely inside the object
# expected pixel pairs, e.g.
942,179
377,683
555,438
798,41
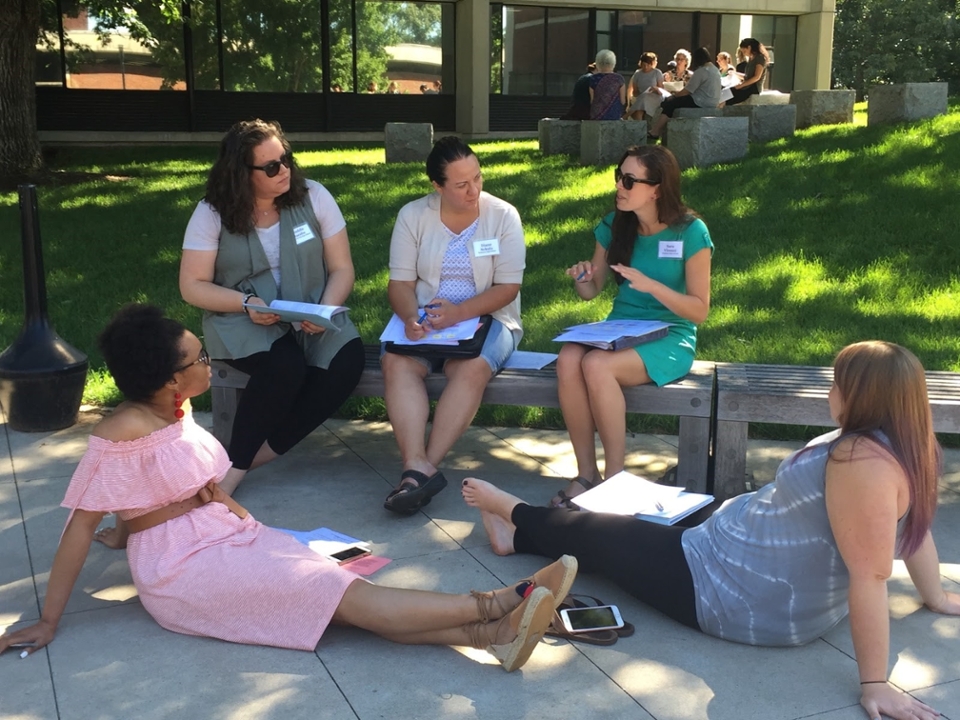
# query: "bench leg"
730,451
693,454
225,401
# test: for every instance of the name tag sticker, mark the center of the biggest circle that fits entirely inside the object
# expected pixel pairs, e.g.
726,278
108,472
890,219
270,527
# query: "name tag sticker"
671,249
302,233
483,248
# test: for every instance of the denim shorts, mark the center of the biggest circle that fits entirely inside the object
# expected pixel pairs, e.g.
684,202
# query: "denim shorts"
496,350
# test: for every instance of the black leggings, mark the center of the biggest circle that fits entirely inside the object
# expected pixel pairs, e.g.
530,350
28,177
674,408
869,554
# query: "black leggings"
644,558
285,399
676,102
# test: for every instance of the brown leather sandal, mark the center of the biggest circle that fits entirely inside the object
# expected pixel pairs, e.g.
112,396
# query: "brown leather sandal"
561,499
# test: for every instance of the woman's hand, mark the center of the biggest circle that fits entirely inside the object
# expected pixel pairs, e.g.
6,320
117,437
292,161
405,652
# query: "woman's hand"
40,635
442,313
310,329
882,699
260,318
414,330
637,280
582,272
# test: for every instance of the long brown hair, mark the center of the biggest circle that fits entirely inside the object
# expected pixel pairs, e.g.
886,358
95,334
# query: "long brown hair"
228,184
661,167
883,387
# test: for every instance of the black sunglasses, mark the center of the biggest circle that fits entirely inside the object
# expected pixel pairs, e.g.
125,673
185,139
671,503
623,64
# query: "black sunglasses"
204,357
272,168
629,180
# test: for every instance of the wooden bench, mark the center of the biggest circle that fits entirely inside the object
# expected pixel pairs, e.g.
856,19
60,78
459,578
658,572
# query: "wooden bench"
690,399
792,395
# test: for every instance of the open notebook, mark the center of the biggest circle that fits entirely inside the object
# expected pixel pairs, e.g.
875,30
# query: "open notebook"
627,494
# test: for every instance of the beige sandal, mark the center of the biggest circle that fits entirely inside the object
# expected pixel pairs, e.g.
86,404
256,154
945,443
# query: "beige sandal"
533,617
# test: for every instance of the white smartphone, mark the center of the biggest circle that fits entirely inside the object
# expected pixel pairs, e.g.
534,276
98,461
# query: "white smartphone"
588,619
349,554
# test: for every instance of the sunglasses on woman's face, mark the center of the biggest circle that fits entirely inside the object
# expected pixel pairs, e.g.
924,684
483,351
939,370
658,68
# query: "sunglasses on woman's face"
272,168
629,180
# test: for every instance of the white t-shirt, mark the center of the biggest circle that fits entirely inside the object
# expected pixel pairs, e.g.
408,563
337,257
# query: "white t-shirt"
203,230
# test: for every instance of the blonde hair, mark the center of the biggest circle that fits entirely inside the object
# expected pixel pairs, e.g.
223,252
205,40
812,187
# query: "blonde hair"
883,387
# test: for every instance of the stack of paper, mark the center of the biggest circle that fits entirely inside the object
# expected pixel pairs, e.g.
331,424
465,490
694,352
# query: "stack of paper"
627,494
614,334
295,312
395,333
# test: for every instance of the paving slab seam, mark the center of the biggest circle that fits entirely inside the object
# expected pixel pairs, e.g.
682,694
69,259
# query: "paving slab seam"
358,455
821,713
26,542
337,685
516,449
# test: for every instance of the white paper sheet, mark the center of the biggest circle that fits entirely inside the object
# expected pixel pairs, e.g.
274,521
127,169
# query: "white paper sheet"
394,332
525,360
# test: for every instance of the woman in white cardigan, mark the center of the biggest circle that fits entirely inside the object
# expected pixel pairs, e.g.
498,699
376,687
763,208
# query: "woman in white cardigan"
455,254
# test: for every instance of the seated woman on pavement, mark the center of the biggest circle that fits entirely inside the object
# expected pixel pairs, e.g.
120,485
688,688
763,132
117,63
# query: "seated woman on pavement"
783,565
200,562
264,232
702,91
457,253
660,253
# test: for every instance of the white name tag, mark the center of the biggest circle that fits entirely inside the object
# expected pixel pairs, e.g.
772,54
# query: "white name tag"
483,248
671,249
302,233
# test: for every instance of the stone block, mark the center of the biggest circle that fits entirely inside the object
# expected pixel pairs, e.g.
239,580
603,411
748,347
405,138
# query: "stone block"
407,142
909,101
697,112
768,97
559,137
823,107
603,142
699,142
767,122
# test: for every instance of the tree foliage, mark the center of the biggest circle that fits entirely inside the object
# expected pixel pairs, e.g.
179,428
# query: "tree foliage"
893,41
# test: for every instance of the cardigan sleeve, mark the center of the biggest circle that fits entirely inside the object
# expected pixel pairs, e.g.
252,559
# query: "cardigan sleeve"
404,245
513,250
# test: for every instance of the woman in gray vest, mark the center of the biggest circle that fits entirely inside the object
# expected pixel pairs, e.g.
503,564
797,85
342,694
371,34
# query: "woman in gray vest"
264,232
785,564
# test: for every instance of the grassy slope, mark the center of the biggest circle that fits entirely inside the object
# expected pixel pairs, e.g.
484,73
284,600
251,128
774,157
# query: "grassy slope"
835,235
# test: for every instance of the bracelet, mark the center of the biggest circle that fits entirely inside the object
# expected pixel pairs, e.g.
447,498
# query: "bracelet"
246,299
874,682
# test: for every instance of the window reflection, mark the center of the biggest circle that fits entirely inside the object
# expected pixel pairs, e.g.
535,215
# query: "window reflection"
523,45
126,49
567,52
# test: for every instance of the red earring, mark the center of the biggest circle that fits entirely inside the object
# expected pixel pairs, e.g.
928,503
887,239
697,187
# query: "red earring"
177,402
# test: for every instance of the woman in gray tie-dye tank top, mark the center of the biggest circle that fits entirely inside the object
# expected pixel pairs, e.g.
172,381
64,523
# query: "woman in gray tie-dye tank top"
783,565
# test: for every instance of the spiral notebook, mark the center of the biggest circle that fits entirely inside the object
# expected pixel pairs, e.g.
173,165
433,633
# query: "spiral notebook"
628,494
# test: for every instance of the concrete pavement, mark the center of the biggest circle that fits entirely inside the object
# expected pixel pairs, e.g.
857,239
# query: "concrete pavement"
110,660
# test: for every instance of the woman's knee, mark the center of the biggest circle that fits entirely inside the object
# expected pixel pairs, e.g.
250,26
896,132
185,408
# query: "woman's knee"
570,361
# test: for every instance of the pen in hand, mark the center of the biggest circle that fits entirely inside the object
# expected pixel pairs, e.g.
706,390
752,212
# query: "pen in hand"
581,276
424,315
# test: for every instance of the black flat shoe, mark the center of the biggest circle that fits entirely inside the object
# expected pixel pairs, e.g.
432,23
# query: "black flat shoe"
408,498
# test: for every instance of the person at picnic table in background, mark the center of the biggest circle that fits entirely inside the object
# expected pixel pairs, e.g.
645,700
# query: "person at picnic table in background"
608,93
200,562
783,565
757,59
659,252
264,232
457,253
703,90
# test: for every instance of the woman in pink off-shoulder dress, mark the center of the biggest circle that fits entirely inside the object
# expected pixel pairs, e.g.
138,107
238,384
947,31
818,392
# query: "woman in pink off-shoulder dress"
203,566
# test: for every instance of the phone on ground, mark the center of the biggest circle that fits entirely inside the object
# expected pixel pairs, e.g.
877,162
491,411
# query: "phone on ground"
588,619
349,554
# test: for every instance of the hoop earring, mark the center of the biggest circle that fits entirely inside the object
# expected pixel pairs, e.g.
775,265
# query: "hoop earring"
177,402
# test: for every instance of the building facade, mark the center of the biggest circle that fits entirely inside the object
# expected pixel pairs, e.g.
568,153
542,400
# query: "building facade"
472,66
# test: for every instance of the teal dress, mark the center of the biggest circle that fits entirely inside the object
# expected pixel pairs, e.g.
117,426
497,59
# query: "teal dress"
658,257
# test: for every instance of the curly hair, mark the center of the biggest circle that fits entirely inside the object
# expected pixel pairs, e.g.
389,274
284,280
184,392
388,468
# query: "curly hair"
661,167
228,184
142,350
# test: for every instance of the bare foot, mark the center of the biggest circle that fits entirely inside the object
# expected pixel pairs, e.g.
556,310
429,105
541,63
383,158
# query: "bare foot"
500,532
111,537
484,496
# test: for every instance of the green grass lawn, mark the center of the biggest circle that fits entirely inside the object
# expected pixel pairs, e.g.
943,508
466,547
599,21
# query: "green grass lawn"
838,234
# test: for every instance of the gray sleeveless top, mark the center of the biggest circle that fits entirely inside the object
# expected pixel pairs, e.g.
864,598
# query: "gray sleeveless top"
242,265
766,568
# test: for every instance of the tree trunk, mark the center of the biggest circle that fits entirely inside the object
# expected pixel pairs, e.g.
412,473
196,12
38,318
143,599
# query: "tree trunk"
19,145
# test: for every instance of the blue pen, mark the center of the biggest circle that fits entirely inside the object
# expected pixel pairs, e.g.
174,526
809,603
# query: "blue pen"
424,316
581,276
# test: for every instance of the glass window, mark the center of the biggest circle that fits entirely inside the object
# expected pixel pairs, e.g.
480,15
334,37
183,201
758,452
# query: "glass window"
496,48
777,33
205,36
400,48
48,67
272,46
128,48
523,56
567,53
341,46
662,33
604,31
